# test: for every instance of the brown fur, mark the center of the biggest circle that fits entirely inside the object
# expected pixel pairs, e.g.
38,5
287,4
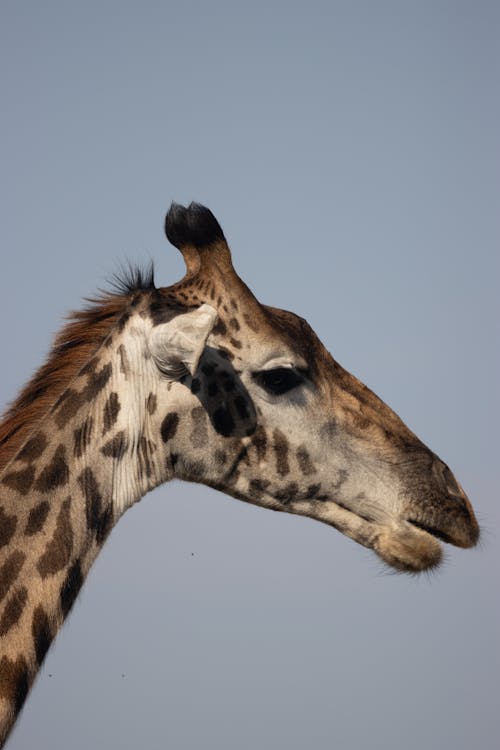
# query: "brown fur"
48,542
73,347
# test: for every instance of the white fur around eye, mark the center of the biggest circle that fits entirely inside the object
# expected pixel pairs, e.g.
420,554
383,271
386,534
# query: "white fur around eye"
177,346
277,362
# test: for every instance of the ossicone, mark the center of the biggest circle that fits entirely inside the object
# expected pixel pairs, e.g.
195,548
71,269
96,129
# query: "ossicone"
194,226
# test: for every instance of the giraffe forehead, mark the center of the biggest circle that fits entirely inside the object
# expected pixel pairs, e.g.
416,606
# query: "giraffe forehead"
285,340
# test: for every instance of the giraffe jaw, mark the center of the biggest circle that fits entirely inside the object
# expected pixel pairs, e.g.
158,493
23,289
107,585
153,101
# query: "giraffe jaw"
400,544
408,548
403,546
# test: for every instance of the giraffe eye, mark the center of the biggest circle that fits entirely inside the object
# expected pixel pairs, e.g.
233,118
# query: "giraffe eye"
279,380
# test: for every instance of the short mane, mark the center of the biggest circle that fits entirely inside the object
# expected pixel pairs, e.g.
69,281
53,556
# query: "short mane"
73,346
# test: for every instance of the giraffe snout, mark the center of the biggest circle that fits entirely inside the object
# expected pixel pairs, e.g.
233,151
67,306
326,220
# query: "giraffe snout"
445,510
466,526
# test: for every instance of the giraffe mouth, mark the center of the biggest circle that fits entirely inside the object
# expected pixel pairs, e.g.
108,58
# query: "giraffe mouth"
406,546
411,545
436,533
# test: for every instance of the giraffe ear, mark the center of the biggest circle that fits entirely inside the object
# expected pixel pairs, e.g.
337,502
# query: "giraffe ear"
177,346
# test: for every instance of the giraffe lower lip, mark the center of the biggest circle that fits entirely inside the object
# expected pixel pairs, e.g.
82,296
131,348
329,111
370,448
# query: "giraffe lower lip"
401,545
408,548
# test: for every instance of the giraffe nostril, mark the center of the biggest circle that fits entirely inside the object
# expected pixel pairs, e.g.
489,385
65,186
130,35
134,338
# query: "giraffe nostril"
446,478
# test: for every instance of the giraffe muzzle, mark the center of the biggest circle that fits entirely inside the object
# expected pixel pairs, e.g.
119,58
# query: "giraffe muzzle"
444,510
434,510
412,542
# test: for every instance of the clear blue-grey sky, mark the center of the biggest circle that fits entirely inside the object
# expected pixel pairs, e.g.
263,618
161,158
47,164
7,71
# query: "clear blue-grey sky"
351,152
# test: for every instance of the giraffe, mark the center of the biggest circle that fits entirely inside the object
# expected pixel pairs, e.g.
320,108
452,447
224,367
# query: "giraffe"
201,382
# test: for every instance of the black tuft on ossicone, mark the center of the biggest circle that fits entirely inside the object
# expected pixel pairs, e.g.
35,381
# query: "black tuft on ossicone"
195,225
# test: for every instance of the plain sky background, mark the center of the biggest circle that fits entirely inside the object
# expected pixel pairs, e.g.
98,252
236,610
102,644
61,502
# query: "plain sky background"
351,152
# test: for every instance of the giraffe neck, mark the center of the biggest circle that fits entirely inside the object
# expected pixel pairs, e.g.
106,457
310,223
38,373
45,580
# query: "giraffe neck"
85,463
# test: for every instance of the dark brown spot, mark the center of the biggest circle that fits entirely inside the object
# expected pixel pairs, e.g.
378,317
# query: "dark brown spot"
71,587
122,322
151,403
237,344
99,516
259,440
67,406
14,681
281,451
111,411
58,551
14,607
234,304
90,367
97,382
116,447
82,437
220,328
169,426
124,363
71,401
20,481
312,491
7,527
233,323
56,474
257,487
305,464
33,448
37,517
42,633
145,449
10,570
288,493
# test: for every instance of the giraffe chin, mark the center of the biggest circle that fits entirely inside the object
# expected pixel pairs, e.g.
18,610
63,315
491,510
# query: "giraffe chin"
402,546
408,549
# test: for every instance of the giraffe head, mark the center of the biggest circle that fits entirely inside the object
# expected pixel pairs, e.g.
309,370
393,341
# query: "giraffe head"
248,400
201,382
